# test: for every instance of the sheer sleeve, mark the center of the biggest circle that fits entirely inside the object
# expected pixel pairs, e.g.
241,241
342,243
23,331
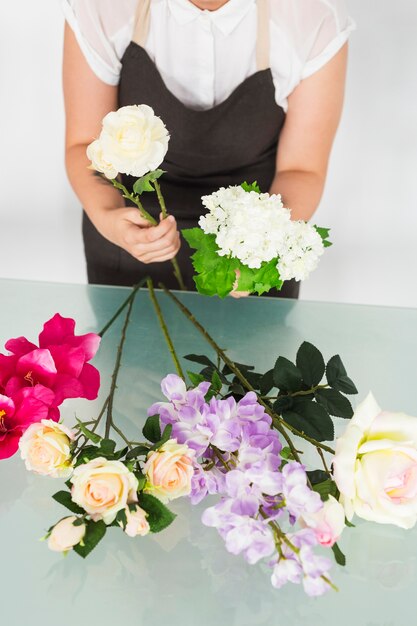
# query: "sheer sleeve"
103,30
305,35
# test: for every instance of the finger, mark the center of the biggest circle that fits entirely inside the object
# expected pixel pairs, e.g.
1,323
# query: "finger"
163,255
163,228
239,294
140,245
134,216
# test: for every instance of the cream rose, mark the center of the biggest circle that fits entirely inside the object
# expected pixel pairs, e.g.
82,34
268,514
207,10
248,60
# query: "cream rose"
102,488
375,466
137,523
45,448
169,471
64,535
133,141
328,523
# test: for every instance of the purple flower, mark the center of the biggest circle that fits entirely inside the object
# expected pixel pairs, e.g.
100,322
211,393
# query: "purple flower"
299,498
205,482
286,570
249,409
173,387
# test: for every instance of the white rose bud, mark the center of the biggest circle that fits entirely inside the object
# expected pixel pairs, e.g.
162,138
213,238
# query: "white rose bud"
137,523
102,488
64,535
375,466
45,448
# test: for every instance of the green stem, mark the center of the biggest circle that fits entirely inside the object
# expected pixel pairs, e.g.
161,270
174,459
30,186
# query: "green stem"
164,329
279,423
121,435
123,306
136,200
323,460
116,370
307,392
220,457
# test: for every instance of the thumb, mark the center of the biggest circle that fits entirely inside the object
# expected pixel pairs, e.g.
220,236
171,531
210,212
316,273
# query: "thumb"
134,216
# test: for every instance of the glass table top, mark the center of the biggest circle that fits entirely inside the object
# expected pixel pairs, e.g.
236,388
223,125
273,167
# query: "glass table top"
184,575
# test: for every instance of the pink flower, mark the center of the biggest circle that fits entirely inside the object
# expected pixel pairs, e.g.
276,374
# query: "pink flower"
59,362
328,523
28,405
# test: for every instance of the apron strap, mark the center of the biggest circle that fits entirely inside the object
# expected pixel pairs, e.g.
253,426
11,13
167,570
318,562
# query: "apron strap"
262,42
141,24
142,19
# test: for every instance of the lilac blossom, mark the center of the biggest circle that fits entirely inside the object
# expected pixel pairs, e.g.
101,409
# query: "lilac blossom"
299,498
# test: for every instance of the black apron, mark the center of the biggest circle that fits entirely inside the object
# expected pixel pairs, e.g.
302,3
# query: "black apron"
232,142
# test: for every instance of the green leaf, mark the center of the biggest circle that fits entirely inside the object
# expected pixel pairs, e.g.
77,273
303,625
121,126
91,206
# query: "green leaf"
283,403
251,186
159,516
144,183
243,368
88,433
326,489
94,534
152,429
107,446
141,480
201,359
338,555
164,437
266,383
324,234
120,453
349,524
88,453
311,364
334,403
259,280
64,498
286,453
195,379
137,451
317,476
121,518
216,382
286,375
311,419
337,376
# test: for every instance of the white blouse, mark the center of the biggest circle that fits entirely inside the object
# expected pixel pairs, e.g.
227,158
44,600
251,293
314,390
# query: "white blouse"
203,55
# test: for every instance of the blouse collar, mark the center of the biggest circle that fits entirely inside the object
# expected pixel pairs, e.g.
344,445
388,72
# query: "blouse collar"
225,19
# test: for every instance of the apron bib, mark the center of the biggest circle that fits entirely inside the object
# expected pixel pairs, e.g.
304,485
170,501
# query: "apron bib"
225,145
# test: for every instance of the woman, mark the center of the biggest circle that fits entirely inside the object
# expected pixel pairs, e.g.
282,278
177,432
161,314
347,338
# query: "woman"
248,89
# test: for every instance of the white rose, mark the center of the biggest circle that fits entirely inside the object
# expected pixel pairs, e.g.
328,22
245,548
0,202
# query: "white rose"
328,523
102,488
64,535
137,523
45,448
375,466
98,162
133,141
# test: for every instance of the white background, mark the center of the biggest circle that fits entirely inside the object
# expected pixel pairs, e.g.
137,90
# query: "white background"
371,196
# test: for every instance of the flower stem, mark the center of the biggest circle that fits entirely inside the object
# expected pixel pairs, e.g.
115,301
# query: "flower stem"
279,423
164,329
136,200
161,200
123,305
116,369
323,460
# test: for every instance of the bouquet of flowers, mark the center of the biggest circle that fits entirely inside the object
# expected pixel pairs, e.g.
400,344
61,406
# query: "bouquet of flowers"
228,433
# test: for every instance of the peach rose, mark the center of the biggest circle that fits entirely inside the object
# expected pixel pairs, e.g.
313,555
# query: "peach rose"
64,535
45,448
375,466
169,471
102,488
328,523
137,523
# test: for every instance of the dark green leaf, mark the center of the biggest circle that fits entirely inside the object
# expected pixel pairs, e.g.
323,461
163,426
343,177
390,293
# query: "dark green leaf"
338,555
120,453
120,519
337,376
137,451
241,366
283,403
200,358
64,498
317,476
107,446
144,183
334,403
94,533
326,489
349,524
236,390
141,480
216,382
159,516
266,383
286,375
152,429
88,453
310,362
251,186
88,433
312,419
164,437
195,379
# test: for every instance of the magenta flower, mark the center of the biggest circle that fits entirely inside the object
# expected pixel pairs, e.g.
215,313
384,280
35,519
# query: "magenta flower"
29,405
60,362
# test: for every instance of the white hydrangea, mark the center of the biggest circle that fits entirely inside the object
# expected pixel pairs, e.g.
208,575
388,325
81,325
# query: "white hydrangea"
256,228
